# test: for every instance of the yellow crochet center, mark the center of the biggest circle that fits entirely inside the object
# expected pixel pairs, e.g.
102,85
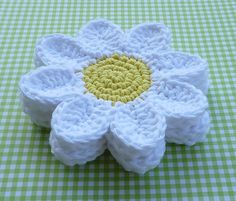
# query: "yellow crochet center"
117,78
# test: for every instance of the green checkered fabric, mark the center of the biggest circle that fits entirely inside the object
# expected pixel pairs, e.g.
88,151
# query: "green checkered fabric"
206,171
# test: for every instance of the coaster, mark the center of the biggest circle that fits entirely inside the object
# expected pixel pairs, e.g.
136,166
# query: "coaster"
125,91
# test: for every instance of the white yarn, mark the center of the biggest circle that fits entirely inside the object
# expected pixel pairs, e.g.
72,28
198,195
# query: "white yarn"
185,108
171,110
58,49
195,129
181,67
44,88
148,38
78,129
101,37
137,137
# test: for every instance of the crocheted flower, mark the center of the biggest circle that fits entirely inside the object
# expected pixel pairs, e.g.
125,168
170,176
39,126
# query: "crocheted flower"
125,91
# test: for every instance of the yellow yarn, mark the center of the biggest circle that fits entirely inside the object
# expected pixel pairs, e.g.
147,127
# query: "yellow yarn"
117,78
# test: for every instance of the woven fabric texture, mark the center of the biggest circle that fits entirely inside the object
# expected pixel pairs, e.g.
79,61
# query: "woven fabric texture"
202,172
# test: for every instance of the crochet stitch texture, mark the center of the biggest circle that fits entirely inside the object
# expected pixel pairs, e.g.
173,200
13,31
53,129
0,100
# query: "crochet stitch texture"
125,91
118,78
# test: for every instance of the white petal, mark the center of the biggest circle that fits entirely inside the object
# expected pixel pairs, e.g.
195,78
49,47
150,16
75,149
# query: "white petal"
78,129
185,108
44,88
195,129
58,49
101,37
137,137
181,67
148,38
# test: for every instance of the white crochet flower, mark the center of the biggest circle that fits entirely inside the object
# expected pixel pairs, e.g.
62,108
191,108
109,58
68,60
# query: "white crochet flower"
96,92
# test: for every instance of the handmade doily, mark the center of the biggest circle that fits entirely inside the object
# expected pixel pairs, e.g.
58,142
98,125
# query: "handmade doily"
125,91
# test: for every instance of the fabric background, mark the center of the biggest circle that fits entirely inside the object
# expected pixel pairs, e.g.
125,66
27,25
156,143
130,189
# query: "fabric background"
206,171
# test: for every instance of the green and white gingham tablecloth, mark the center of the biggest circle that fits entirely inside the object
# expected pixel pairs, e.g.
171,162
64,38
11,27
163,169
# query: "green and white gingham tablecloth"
206,171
